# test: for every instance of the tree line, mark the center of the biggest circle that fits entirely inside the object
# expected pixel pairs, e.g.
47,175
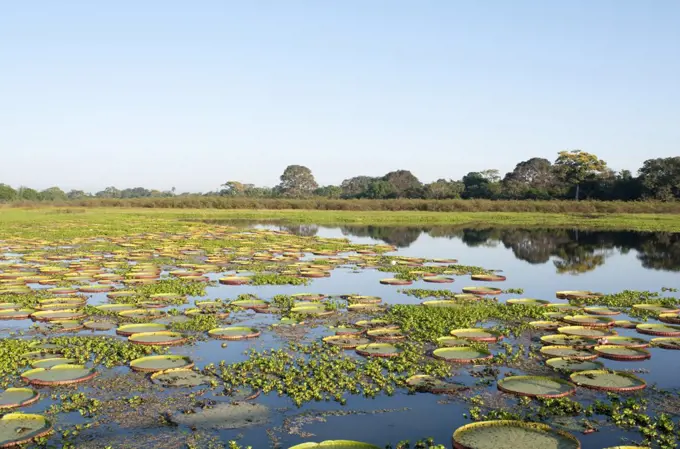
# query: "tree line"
573,175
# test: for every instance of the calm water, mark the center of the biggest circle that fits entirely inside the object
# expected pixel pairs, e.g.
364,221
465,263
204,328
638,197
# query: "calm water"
539,261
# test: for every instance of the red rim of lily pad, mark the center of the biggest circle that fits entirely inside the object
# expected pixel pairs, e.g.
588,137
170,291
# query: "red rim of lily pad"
488,277
609,352
395,281
482,290
234,280
438,279
504,389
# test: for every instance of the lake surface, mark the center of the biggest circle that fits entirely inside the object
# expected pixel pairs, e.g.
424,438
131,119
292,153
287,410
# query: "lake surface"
539,261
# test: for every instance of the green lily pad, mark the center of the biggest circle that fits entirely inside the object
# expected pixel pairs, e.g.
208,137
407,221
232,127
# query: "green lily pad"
378,350
234,333
568,352
560,363
431,384
58,375
160,363
477,334
536,386
608,380
17,397
130,329
179,377
506,434
22,428
461,354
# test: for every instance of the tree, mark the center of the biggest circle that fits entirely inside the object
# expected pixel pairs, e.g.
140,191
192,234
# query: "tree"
442,189
297,181
533,178
355,187
660,178
76,195
7,193
26,193
53,194
328,192
482,184
379,189
403,182
109,192
576,166
234,188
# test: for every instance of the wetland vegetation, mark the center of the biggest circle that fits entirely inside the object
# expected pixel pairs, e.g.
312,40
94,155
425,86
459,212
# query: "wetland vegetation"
176,329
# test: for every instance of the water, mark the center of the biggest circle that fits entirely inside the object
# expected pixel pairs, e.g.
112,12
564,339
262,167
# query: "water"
540,261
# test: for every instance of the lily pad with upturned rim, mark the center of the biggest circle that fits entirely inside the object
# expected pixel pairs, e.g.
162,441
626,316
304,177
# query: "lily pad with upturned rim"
488,277
586,331
99,325
130,329
536,386
545,325
17,397
55,315
395,281
378,350
663,330
527,302
438,279
234,333
385,334
58,375
571,365
478,334
452,341
666,342
507,434
22,428
600,310
161,338
631,342
179,377
151,364
482,290
608,380
589,320
568,340
346,341
567,352
431,384
619,352
461,354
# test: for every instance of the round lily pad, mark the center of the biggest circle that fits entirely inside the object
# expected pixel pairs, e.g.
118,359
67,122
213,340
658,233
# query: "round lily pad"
22,428
626,324
361,299
505,434
40,355
527,301
577,294
378,350
452,341
477,334
346,341
162,338
585,331
250,303
482,290
58,375
155,363
667,342
17,397
438,279
315,309
362,307
631,342
608,380
376,322
487,277
50,363
545,325
568,352
115,307
536,386
663,330
346,330
179,377
618,352
589,320
55,315
99,325
656,308
461,354
335,444
568,340
560,363
234,333
141,314
395,281
670,317
130,329
15,314
562,307
385,334
431,384
64,326
598,310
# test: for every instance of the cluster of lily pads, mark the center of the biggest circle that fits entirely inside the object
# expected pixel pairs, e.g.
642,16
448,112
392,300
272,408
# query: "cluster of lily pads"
98,302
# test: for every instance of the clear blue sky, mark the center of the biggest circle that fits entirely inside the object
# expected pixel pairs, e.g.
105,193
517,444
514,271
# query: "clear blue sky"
162,93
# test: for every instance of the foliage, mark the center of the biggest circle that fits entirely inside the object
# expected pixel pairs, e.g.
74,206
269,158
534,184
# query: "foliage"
297,181
576,166
660,178
277,279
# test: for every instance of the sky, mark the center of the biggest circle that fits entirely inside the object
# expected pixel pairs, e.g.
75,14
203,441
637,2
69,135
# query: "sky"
191,94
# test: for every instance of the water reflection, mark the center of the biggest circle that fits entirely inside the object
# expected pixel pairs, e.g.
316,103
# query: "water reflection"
570,250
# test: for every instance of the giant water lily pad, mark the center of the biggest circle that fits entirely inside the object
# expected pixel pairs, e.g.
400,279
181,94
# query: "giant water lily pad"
631,342
568,352
619,352
452,341
346,341
250,303
234,333
56,315
461,354
669,317
585,331
162,338
155,363
431,384
378,350
99,325
438,279
22,428
527,302
608,380
568,340
577,294
545,325
482,290
224,415
656,308
536,386
663,330
385,334
17,397
141,314
504,434
564,364
599,310
589,320
487,277
58,375
130,329
335,444
179,377
50,363
15,314
667,342
115,307
477,334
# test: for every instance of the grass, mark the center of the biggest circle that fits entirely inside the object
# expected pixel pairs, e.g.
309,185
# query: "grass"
109,221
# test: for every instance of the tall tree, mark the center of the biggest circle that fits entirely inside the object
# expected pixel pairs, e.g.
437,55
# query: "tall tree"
355,187
52,194
403,181
379,189
442,189
7,193
76,195
533,178
333,192
297,181
26,193
660,178
576,166
109,192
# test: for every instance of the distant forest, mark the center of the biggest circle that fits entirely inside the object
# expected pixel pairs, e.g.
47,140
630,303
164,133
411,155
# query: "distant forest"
573,175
